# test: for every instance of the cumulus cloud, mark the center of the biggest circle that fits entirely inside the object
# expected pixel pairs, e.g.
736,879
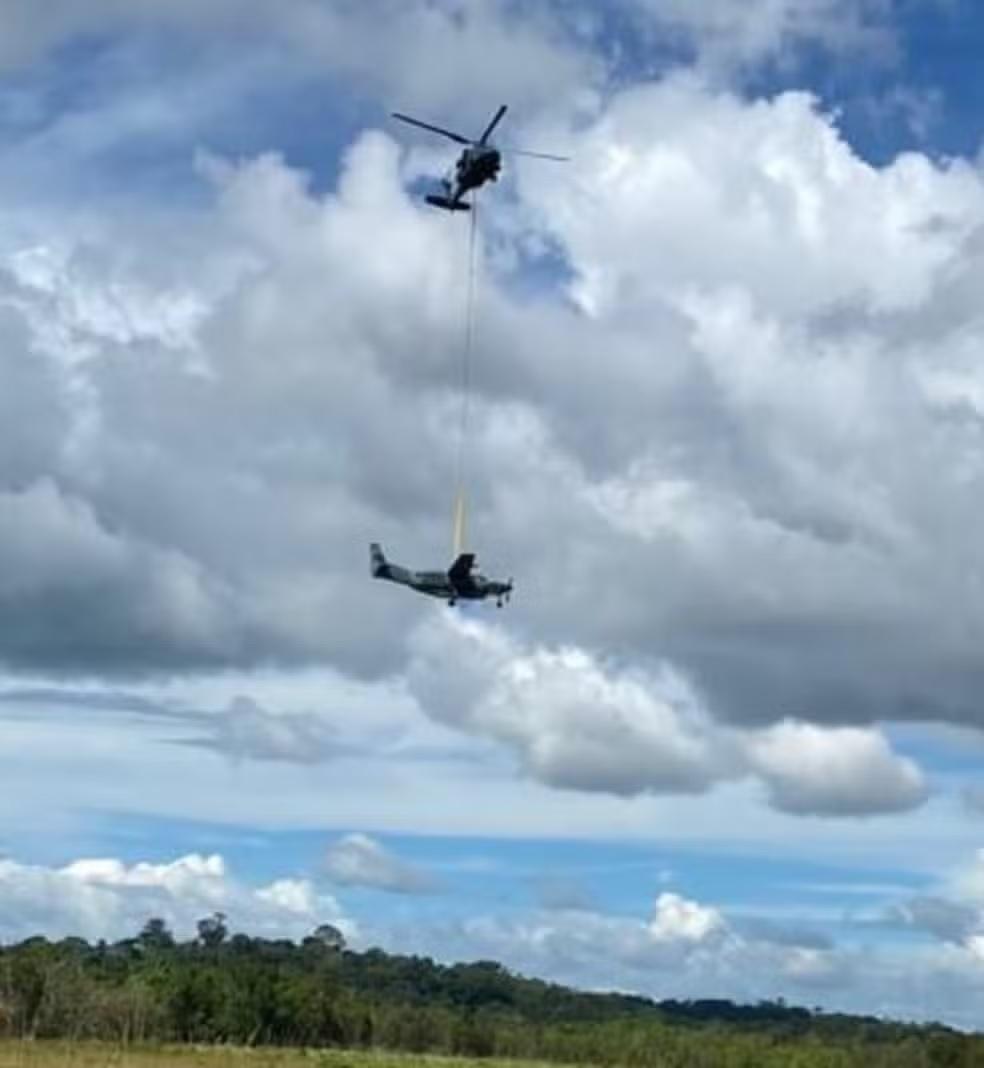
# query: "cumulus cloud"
572,724
689,948
246,729
686,949
781,514
758,499
954,916
384,48
577,723
79,596
835,771
540,48
138,375
947,920
107,898
358,860
654,159
727,402
727,34
678,919
756,517
968,882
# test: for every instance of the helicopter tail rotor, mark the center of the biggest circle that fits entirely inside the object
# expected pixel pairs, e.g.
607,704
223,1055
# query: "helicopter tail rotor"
538,155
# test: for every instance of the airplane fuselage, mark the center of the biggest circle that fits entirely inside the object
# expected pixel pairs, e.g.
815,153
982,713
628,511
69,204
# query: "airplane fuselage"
458,583
437,584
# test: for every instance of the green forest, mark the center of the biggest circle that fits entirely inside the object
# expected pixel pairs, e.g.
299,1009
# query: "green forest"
226,988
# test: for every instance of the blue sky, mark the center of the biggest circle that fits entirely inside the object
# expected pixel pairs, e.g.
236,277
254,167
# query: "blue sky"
727,437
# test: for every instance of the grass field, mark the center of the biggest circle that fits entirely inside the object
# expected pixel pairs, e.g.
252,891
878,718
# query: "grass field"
95,1055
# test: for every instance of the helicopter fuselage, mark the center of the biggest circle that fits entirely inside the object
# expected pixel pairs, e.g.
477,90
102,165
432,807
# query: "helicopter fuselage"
479,163
476,165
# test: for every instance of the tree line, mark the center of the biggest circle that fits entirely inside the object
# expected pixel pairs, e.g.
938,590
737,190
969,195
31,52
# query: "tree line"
221,987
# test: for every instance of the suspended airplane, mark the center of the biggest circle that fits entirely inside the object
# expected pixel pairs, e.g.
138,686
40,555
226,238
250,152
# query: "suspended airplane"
479,163
458,582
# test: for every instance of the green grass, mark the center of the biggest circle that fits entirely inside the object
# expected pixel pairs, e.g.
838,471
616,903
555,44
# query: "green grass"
99,1055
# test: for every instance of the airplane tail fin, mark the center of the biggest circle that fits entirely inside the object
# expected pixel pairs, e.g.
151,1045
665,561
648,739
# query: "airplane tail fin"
378,565
447,203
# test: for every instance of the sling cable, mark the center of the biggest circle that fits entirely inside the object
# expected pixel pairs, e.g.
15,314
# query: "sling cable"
459,536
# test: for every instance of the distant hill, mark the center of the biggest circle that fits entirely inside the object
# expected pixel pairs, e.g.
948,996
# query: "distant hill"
232,988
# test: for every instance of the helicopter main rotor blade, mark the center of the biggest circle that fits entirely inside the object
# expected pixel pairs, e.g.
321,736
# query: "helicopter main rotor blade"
492,125
538,155
434,129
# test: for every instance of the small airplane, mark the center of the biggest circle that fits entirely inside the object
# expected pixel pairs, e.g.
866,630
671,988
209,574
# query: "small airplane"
479,163
458,582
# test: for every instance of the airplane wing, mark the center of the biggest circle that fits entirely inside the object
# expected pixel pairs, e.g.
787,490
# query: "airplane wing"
459,573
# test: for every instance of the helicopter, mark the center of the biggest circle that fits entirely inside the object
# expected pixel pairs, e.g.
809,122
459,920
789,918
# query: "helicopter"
480,162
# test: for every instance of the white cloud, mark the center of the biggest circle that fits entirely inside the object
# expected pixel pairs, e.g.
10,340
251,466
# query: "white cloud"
539,50
729,34
759,490
95,595
757,516
735,467
669,173
358,860
678,919
834,771
950,921
106,898
383,47
577,723
953,915
246,729
688,949
968,882
572,724
741,459
692,949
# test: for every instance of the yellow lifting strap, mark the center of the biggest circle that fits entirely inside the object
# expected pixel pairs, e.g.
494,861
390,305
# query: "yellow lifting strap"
459,526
